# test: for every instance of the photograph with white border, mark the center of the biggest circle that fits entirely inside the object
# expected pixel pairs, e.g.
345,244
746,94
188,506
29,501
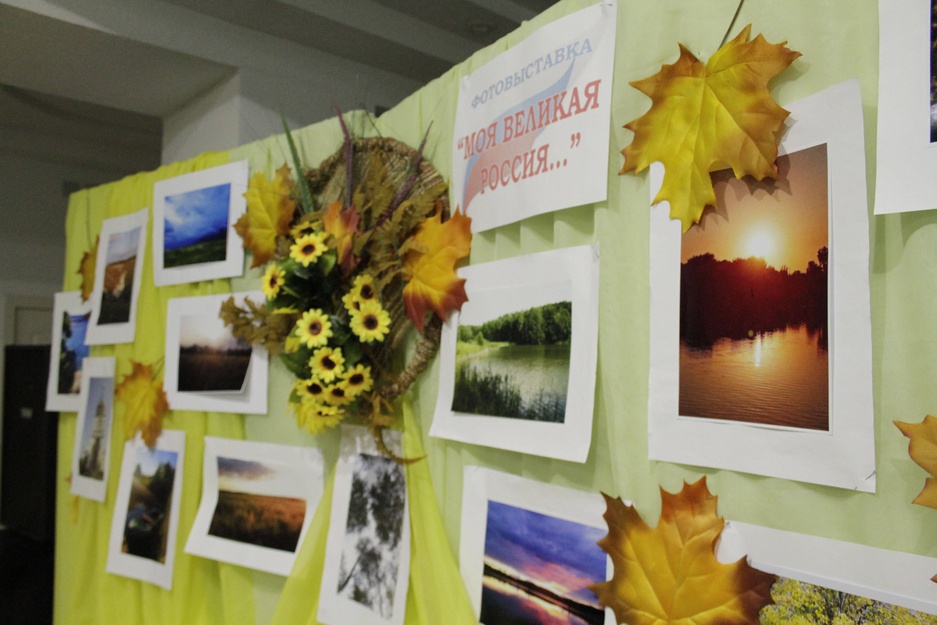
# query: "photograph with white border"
70,319
207,367
519,535
907,108
91,456
518,363
142,542
117,277
258,500
840,450
193,225
367,552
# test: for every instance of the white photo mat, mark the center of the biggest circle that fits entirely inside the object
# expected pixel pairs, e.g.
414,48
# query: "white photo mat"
97,388
169,446
334,608
116,234
513,285
252,397
894,577
290,472
532,127
844,456
68,303
906,159
482,485
235,177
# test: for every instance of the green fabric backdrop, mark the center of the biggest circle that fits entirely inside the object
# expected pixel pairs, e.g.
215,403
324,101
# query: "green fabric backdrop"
839,41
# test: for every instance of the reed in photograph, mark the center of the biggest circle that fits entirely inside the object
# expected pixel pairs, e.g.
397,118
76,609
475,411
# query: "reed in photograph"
516,365
195,226
538,569
210,357
257,504
146,529
117,291
753,299
373,531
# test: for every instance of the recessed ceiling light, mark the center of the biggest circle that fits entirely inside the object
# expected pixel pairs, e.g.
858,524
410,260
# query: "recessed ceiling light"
480,28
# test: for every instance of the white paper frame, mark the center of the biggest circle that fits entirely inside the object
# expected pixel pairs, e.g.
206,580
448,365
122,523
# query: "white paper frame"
126,564
906,159
573,169
122,332
482,485
68,303
844,456
893,577
252,399
333,608
101,369
233,174
305,462
517,284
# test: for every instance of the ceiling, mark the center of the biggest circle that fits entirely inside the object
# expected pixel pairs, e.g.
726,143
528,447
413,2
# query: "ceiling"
105,93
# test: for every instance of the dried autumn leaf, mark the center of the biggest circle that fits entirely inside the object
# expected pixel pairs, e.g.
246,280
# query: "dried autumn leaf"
429,267
87,268
923,450
145,403
270,211
342,225
669,574
706,117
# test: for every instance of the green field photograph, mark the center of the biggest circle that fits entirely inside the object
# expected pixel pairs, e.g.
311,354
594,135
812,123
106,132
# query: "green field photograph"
515,365
259,504
195,226
211,359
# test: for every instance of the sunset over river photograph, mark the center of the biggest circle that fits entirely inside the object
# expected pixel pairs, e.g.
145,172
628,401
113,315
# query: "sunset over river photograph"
754,288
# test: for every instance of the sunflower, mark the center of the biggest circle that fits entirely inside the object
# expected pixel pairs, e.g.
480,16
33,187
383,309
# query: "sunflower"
305,227
308,248
316,417
311,389
327,363
273,280
337,394
362,290
358,380
371,322
314,328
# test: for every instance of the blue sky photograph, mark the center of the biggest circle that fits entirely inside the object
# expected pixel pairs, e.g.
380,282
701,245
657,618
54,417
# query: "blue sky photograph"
76,342
558,555
196,216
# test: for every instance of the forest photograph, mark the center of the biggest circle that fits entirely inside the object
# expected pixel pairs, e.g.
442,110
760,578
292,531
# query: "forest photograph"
259,503
195,226
371,547
537,569
211,358
515,365
754,292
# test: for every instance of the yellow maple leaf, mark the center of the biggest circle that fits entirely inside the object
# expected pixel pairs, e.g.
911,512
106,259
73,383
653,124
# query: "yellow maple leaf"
923,450
669,574
342,226
429,266
270,212
706,117
86,269
144,401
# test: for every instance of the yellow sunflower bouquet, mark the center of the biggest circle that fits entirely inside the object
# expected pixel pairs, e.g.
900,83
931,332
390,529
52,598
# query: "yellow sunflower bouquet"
359,253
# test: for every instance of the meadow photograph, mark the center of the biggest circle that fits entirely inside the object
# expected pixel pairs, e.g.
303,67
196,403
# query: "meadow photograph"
195,226
260,503
146,525
211,358
119,270
515,365
537,569
754,294
373,537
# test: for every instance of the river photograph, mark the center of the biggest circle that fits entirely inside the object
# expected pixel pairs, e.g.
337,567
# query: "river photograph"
515,365
754,283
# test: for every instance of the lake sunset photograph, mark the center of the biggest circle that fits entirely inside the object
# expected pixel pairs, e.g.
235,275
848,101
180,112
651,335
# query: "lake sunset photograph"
211,358
754,289
537,569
